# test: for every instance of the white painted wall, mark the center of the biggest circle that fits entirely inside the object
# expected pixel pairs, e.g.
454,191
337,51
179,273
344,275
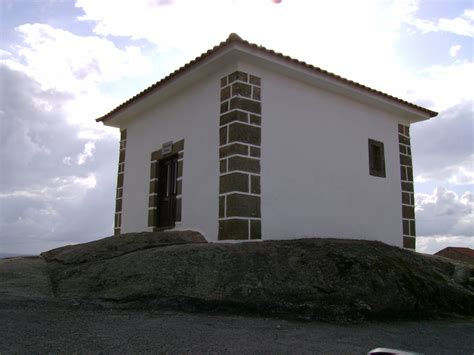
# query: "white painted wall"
315,170
315,165
194,116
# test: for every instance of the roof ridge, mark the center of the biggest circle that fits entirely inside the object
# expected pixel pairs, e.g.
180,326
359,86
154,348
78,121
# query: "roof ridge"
235,38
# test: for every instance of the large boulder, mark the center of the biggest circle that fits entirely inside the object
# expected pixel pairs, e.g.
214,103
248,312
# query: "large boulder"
115,246
327,279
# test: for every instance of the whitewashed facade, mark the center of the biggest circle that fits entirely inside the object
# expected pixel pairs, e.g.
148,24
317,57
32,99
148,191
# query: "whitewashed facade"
265,147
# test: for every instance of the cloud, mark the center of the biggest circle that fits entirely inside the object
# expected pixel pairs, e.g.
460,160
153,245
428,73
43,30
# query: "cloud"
444,212
462,25
433,244
86,154
57,165
297,28
455,174
67,161
55,189
461,174
48,199
316,32
454,50
443,147
445,142
444,85
167,24
76,66
63,61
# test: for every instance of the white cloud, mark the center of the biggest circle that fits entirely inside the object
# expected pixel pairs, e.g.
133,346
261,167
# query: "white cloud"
443,147
64,188
87,153
4,55
60,60
433,244
317,32
169,25
446,85
423,25
462,25
444,212
460,173
95,135
454,50
67,161
463,175
46,200
64,62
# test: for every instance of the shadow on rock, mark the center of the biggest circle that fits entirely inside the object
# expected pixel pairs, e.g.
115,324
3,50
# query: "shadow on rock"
311,279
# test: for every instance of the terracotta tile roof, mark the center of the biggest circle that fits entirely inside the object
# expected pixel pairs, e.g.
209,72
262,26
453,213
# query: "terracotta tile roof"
234,38
460,250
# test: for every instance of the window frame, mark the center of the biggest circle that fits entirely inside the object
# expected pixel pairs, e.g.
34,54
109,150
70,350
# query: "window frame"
376,163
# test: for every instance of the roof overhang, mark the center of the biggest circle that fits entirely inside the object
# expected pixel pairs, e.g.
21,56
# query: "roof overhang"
169,86
330,83
234,50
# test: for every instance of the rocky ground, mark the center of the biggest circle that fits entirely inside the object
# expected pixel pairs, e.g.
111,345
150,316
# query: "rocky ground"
125,295
310,279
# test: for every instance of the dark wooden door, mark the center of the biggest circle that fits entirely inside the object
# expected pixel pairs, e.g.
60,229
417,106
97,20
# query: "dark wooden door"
167,174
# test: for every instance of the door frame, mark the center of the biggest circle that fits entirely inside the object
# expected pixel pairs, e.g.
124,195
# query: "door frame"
167,191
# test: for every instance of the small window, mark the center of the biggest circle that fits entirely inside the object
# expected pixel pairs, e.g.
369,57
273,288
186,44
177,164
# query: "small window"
376,158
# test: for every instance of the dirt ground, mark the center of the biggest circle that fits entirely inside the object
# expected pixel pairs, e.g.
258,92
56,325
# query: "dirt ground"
56,329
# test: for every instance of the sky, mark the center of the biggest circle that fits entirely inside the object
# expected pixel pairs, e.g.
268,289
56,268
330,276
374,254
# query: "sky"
65,63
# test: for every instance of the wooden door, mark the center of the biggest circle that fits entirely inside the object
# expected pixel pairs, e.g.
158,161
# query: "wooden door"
167,175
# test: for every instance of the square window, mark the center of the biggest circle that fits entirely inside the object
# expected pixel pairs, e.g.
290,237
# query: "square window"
376,158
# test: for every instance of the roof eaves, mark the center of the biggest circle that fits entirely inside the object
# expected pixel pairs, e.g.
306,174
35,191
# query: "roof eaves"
170,77
234,38
339,78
